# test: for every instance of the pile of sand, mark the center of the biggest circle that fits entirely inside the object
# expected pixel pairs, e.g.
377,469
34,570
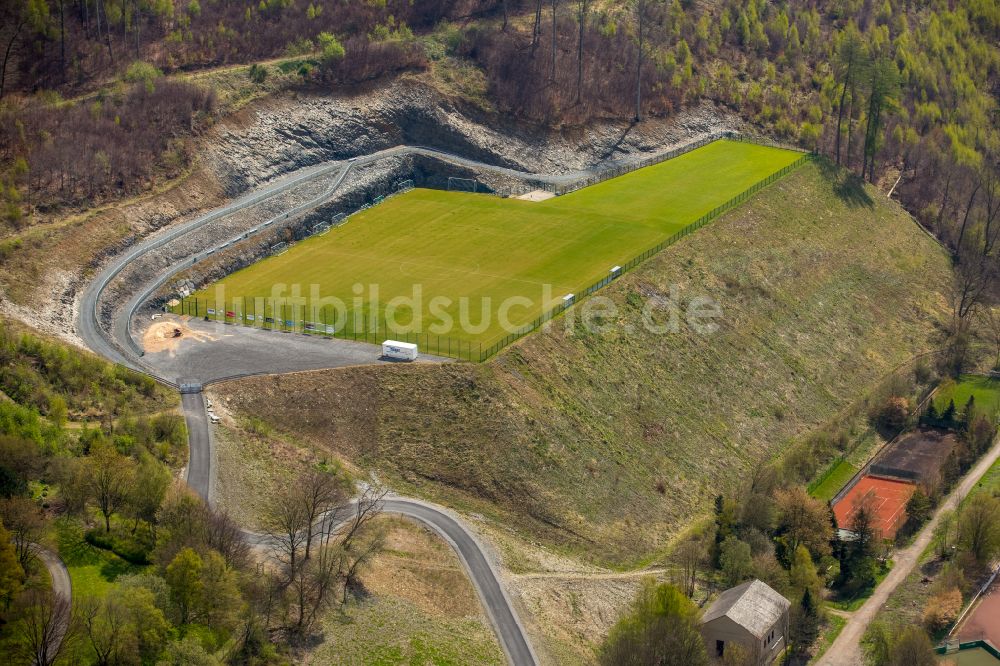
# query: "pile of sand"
166,335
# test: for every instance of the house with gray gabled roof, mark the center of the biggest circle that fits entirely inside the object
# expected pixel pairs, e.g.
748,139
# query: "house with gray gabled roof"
752,615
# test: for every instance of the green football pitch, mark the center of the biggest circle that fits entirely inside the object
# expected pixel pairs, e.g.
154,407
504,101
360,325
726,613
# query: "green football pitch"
471,266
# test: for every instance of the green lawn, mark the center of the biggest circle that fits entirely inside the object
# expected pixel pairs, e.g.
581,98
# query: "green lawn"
92,571
483,250
990,483
839,473
986,391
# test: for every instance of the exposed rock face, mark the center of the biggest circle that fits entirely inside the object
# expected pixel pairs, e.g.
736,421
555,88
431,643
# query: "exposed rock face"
288,134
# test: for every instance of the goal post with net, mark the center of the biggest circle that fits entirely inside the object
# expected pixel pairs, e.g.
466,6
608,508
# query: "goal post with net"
462,184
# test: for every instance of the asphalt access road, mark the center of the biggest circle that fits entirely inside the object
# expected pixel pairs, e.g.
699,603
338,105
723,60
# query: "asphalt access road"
118,344
470,552
484,577
62,590
214,351
199,472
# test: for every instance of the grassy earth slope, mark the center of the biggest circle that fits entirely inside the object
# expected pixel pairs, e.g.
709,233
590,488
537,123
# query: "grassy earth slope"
608,444
420,609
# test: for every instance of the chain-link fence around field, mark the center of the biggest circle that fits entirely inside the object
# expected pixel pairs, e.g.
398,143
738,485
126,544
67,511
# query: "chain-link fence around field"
616,170
363,326
359,326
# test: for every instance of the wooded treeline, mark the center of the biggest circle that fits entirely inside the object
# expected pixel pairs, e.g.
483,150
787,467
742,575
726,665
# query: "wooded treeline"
884,89
88,456
115,143
48,44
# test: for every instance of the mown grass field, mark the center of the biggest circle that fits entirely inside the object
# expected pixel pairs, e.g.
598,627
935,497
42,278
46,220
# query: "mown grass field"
985,390
484,249
833,480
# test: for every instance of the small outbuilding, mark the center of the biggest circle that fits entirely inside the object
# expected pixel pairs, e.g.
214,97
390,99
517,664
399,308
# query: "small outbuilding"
752,615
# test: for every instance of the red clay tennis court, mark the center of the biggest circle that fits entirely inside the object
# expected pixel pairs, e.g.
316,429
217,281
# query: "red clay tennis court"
983,623
888,498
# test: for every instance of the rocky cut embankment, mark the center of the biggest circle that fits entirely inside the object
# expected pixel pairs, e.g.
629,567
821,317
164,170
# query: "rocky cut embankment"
285,134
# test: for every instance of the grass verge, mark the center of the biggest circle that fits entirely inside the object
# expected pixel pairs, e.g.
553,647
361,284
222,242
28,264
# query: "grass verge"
985,390
831,481
831,629
93,571
421,608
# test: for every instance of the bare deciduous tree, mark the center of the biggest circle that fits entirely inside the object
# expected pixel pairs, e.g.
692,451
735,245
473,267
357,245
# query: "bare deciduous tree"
368,507
359,554
582,26
44,626
320,492
640,10
690,556
105,624
991,321
111,479
286,524
22,517
974,275
340,543
224,535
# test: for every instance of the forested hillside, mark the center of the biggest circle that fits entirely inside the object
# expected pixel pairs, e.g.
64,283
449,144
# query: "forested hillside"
90,453
887,89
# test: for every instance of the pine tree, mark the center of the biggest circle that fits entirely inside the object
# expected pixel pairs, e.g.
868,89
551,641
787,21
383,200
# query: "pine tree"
931,414
969,411
804,623
948,416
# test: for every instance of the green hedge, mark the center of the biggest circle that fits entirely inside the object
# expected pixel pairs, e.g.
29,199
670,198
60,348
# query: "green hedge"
128,550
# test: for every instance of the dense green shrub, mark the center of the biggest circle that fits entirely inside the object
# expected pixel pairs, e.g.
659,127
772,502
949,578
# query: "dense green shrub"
128,549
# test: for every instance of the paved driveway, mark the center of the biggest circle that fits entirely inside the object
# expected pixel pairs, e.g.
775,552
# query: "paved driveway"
217,351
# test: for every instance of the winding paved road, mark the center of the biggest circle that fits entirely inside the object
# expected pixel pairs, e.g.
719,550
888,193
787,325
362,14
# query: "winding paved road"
62,592
485,578
118,345
470,551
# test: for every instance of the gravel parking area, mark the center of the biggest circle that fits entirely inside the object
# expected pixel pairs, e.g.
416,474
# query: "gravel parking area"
213,351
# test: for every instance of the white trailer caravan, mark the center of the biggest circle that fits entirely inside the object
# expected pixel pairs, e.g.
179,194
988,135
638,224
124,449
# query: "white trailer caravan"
404,351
